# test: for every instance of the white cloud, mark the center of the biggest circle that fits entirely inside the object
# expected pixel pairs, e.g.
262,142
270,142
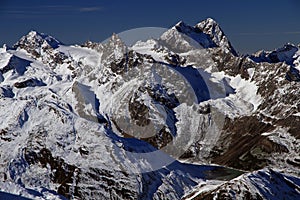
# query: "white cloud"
90,9
26,11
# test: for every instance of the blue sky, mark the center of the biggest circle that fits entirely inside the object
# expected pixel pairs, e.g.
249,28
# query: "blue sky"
250,25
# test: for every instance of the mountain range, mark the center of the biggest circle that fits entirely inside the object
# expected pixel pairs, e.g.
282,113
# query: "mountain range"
182,116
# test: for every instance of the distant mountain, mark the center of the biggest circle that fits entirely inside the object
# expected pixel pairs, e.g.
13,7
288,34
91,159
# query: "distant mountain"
207,33
182,116
286,54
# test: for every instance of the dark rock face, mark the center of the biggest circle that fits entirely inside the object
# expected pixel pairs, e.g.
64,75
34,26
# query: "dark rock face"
139,112
161,139
130,60
160,94
231,64
35,40
62,173
29,83
248,149
70,178
243,144
175,59
93,45
291,123
42,47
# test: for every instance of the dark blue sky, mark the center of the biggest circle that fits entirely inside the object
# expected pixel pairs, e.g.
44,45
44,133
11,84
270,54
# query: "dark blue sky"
250,25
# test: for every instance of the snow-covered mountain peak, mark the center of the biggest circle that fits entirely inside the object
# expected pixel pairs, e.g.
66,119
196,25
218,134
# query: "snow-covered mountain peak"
115,37
207,33
209,21
283,54
215,32
115,47
181,26
36,39
33,33
183,37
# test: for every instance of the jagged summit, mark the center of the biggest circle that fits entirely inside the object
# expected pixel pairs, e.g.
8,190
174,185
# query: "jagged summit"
36,39
115,39
182,26
283,54
207,33
215,32
40,46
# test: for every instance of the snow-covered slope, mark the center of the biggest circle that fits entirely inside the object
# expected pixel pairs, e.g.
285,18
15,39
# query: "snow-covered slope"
178,116
283,54
262,184
217,35
206,34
